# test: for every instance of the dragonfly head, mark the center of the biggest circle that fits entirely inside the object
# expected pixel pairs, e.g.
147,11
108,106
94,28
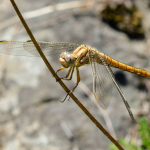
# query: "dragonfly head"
66,59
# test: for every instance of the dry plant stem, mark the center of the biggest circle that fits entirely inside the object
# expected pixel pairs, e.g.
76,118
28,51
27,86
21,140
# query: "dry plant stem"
60,82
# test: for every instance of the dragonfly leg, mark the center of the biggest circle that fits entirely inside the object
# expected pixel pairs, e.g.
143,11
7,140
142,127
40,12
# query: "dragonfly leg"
78,80
60,69
70,70
72,73
67,73
78,77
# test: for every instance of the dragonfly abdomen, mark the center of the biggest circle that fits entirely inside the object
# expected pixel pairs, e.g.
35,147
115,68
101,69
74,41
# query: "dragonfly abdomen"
116,64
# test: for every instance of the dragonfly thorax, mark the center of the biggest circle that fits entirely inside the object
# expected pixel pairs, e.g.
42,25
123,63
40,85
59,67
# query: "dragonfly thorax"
66,59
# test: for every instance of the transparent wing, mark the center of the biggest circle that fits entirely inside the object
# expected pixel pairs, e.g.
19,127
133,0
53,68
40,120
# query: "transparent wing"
102,81
28,49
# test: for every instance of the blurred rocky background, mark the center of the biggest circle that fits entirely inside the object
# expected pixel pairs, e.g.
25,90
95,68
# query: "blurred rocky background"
31,114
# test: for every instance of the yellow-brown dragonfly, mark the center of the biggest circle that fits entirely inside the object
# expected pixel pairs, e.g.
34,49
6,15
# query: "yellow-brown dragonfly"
74,56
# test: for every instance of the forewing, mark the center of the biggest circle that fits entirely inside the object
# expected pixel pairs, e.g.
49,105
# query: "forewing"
53,50
103,83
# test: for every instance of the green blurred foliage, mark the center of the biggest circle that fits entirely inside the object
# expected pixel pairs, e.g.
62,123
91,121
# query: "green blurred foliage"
144,136
145,133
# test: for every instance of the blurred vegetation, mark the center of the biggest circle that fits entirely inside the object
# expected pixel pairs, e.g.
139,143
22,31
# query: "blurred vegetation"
125,19
143,138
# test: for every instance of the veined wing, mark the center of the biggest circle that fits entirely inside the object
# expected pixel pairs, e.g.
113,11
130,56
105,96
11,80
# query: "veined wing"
102,81
53,50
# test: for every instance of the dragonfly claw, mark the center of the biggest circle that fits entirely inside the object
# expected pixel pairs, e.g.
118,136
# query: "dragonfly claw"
58,79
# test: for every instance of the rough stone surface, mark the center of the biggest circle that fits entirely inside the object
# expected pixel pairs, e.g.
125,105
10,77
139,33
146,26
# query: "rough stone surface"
31,114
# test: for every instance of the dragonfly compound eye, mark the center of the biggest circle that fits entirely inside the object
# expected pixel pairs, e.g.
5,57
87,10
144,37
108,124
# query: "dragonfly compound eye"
63,54
69,59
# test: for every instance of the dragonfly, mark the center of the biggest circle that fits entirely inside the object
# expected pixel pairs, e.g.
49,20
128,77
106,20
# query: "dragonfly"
73,56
